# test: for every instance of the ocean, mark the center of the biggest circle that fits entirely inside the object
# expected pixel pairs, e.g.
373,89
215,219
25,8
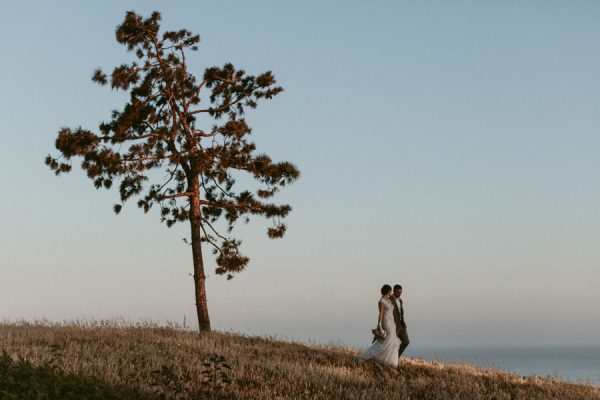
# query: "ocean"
576,364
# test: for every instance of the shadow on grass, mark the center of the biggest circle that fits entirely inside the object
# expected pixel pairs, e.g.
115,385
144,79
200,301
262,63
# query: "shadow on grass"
20,380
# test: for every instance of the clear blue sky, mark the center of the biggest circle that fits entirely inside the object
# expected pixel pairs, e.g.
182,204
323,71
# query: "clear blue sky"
452,147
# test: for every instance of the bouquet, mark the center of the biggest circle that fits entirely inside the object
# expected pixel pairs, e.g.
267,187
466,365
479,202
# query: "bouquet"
378,334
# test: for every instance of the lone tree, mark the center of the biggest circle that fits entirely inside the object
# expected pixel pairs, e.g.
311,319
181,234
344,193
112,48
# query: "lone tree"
199,150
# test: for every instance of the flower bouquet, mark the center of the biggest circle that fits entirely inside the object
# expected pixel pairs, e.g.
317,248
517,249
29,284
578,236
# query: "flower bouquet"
378,334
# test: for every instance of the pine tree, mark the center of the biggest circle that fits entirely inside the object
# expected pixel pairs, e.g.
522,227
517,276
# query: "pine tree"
163,127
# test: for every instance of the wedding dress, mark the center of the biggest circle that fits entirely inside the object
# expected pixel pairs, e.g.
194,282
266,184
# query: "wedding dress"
385,351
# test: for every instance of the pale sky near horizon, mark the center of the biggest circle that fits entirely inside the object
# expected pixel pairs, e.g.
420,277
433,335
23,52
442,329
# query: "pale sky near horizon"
452,147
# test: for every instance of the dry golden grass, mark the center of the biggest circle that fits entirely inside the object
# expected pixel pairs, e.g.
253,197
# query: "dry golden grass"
124,357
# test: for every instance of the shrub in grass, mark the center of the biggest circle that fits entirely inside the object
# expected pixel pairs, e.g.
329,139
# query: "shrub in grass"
20,380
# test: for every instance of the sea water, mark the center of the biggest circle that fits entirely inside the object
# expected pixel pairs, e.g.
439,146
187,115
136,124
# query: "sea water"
577,364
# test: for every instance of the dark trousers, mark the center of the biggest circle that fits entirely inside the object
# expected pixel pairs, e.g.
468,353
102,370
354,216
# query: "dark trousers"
403,336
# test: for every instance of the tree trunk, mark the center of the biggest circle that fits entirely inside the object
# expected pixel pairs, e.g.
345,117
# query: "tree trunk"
199,276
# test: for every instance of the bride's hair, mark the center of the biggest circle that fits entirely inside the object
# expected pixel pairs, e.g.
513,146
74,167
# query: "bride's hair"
385,289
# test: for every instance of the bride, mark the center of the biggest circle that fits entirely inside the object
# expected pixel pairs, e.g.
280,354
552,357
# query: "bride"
385,348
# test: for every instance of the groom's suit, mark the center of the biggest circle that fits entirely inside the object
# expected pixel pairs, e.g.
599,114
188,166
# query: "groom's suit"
400,324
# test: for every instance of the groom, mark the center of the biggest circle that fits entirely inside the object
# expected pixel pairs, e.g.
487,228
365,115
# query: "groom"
399,318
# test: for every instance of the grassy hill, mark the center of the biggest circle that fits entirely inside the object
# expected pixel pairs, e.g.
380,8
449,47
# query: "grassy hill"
104,361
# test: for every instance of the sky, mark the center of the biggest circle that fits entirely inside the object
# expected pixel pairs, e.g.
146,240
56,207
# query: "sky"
450,147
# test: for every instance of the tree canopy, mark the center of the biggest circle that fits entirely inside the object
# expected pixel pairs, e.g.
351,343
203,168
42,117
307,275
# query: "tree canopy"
191,129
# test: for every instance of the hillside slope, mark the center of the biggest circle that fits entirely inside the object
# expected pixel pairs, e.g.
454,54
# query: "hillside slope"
103,361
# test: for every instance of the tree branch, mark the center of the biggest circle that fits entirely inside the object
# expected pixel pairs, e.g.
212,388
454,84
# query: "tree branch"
221,108
206,236
201,133
144,159
172,196
168,180
213,229
156,135
200,87
222,190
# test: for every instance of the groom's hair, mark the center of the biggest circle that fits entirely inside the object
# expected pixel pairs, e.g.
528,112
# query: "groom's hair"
397,286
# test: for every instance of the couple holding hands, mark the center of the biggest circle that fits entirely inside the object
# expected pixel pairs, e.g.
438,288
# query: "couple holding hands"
390,336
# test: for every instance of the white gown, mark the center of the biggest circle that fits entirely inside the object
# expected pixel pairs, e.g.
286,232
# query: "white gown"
385,351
